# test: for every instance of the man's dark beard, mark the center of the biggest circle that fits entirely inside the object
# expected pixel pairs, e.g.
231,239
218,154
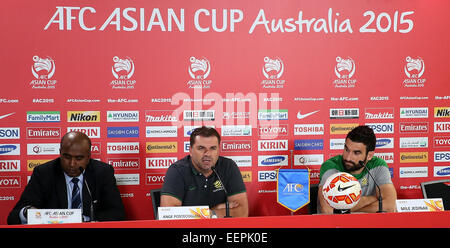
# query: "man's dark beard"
355,167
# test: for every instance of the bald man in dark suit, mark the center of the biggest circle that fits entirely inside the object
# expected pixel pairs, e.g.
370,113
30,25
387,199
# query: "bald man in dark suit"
51,184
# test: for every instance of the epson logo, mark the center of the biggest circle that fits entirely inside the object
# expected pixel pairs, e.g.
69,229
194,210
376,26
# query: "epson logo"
9,133
381,127
442,156
267,176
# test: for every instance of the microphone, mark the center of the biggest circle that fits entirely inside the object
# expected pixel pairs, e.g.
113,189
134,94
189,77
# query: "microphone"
227,204
90,195
380,199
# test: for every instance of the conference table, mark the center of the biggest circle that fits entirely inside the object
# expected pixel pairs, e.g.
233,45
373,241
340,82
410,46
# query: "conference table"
440,219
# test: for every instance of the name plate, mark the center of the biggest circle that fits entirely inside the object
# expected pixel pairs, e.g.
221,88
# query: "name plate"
54,216
183,213
420,205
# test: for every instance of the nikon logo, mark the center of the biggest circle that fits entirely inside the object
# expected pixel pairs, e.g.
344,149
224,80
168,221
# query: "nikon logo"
83,116
442,112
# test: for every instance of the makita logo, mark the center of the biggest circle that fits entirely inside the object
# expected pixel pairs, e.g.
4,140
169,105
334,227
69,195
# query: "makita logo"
379,113
83,116
272,145
160,163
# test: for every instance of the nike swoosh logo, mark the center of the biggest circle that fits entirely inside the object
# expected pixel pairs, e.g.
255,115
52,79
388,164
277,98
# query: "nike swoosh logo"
4,116
344,188
300,116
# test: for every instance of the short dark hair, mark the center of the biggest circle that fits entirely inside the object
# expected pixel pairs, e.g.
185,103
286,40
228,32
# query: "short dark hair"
365,135
204,132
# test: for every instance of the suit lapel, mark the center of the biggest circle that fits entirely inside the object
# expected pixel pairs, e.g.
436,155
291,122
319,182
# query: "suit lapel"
61,188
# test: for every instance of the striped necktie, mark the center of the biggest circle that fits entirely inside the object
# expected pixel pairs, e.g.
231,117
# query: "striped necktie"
76,198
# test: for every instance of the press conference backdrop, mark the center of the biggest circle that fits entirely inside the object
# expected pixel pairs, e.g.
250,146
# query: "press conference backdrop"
283,82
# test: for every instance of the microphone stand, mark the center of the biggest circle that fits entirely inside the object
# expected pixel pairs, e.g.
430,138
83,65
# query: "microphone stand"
91,209
227,204
380,198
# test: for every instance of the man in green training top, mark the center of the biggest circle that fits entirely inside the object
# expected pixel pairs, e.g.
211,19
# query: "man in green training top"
360,146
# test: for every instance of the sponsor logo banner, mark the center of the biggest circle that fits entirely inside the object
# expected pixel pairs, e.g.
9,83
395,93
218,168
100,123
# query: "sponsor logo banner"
413,172
273,114
83,116
91,132
274,160
442,156
442,127
43,149
35,162
9,133
124,163
161,147
159,163
198,115
381,127
127,179
43,132
161,116
236,130
413,157
308,129
242,161
308,159
273,131
9,165
154,178
272,145
441,171
342,128
122,148
413,142
123,132
385,143
122,116
308,144
386,156
43,116
161,131
442,112
441,142
414,127
379,113
413,112
267,176
346,113
236,146
10,182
